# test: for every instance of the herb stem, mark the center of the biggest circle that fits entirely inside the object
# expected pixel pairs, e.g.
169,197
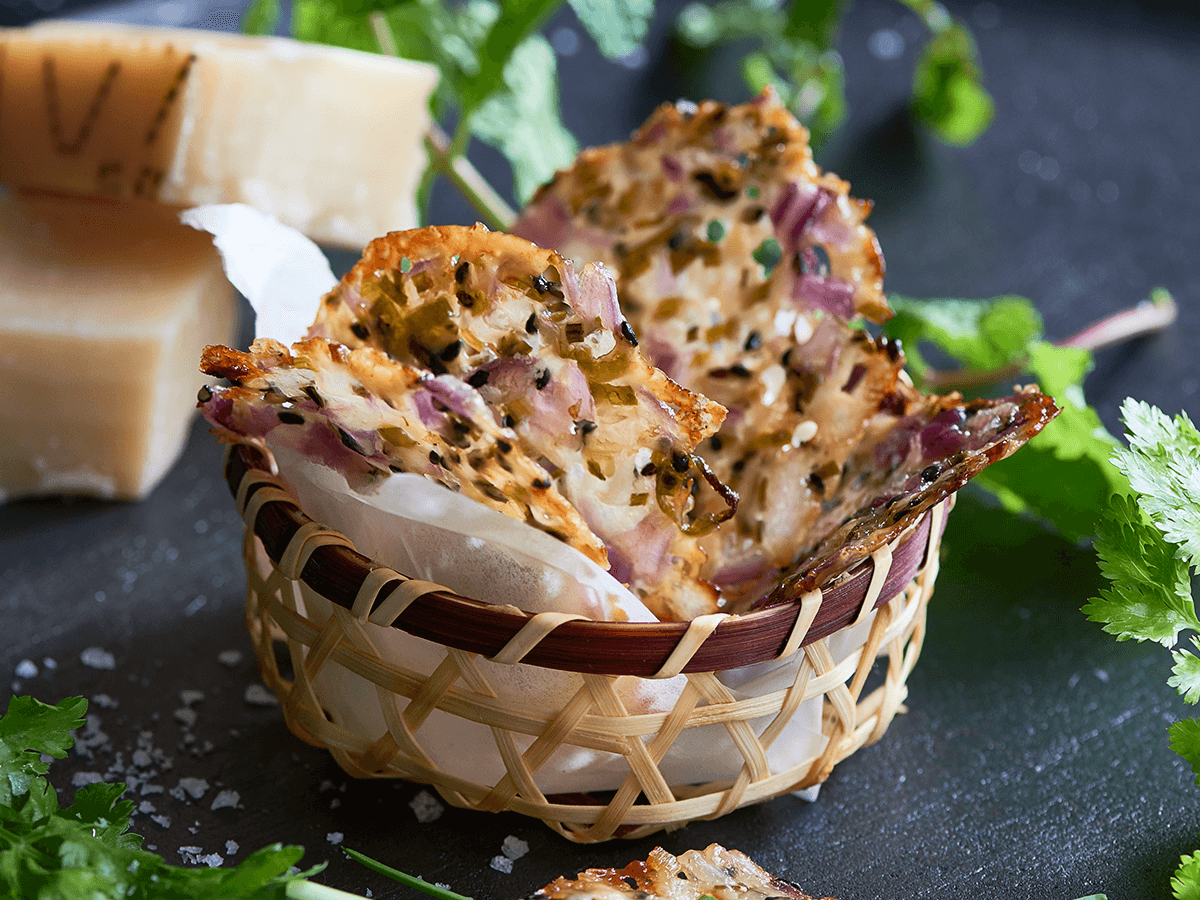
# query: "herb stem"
448,156
1147,317
310,890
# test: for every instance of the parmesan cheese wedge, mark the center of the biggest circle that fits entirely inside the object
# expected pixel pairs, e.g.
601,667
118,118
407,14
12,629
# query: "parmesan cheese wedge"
104,309
324,139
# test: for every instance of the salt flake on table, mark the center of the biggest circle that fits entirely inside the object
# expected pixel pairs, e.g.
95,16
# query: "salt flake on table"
514,847
502,864
26,669
426,807
98,658
193,787
334,837
229,658
257,695
227,799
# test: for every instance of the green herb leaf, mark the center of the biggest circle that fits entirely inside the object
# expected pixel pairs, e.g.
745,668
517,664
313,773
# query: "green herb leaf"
617,26
523,120
767,254
947,93
29,730
1185,883
1185,740
261,17
1186,677
86,851
1062,476
1150,596
1163,466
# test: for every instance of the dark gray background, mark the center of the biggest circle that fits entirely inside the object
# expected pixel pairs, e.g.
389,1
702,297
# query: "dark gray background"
1033,761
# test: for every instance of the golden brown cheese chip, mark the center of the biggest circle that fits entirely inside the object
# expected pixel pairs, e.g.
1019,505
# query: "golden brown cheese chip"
365,415
713,872
553,357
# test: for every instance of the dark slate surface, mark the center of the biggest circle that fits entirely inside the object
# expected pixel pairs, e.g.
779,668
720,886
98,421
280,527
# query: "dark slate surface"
1033,761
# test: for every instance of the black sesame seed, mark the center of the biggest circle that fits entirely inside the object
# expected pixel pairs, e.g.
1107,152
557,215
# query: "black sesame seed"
508,421
465,299
540,284
504,446
676,240
715,188
930,473
753,340
479,378
204,394
316,398
287,417
460,274
739,370
541,483
586,426
359,330
716,442
531,322
680,462
435,458
627,333
451,351
346,439
543,379
649,469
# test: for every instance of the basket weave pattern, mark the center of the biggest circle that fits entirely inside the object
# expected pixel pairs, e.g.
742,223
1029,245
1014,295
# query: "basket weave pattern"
281,605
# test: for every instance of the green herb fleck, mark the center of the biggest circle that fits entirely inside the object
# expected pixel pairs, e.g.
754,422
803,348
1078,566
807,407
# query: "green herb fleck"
768,254
716,231
752,191
405,265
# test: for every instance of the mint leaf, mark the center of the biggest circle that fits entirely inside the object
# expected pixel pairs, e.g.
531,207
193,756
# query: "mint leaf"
28,730
1185,740
1163,466
617,26
523,121
1185,883
1150,596
1186,677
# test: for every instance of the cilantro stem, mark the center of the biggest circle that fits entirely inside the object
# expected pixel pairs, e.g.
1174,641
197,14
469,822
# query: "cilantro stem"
443,156
1147,317
447,157
404,878
310,890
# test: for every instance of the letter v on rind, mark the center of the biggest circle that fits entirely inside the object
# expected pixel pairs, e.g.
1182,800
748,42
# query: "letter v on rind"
169,98
54,115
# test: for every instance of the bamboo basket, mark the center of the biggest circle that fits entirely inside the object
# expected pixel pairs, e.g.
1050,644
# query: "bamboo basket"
311,593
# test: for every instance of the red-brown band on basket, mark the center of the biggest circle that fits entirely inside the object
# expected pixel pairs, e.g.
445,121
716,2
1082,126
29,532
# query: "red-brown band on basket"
337,573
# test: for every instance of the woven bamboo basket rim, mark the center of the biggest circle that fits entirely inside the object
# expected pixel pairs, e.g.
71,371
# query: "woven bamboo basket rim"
644,649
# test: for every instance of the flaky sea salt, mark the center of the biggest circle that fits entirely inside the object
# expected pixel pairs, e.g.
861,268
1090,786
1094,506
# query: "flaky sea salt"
185,716
257,695
229,658
231,847
514,847
164,821
104,701
82,779
426,807
193,787
26,668
190,855
226,799
502,864
98,658
334,837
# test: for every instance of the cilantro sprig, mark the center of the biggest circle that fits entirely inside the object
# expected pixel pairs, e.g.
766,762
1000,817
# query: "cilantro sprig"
794,50
85,851
1062,476
1149,548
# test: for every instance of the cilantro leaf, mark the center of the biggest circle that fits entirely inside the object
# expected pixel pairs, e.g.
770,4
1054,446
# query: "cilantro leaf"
1163,466
1185,740
979,334
947,93
28,730
1062,476
1185,883
617,26
1186,677
85,851
523,119
1150,596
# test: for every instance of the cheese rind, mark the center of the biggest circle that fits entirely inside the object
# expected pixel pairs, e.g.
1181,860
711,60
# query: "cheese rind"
325,139
104,309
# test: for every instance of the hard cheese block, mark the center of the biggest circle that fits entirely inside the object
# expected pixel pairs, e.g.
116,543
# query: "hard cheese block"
104,309
324,139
